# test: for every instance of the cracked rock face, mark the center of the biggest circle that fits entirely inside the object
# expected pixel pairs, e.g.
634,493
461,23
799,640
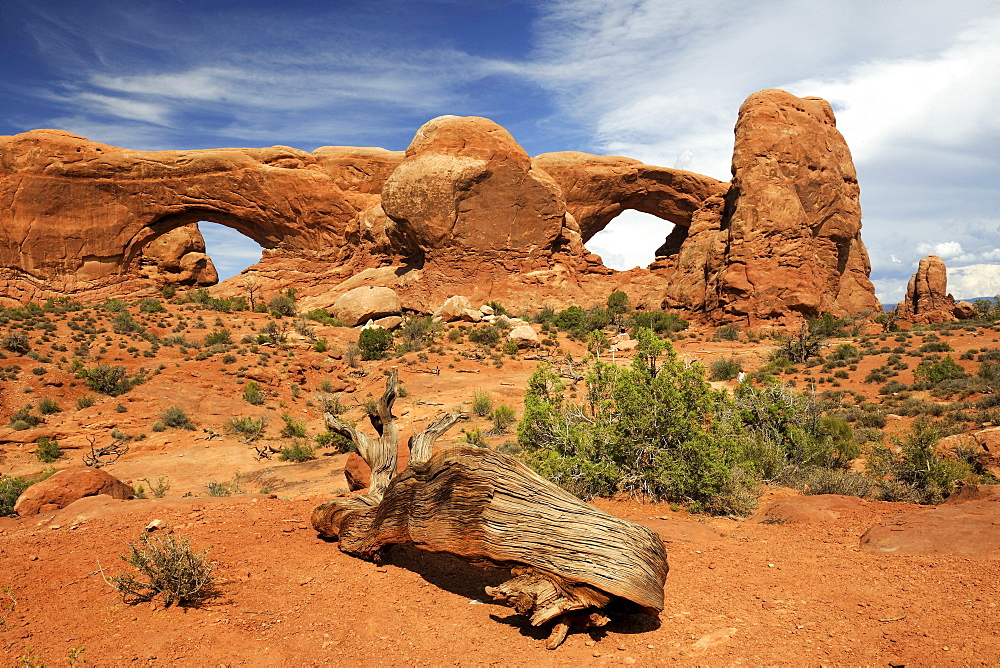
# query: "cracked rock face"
463,205
927,299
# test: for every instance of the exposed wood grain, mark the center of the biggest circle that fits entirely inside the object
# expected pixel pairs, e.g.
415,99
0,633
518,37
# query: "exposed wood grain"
569,560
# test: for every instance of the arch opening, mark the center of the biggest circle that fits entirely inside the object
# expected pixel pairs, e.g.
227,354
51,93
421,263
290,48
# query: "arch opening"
184,250
636,239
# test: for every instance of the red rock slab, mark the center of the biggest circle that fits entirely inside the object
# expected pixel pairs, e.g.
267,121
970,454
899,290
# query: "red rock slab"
970,529
816,508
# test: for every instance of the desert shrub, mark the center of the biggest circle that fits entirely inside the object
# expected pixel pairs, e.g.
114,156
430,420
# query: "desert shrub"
482,403
159,487
122,323
936,347
474,436
115,305
176,418
282,305
248,428
373,343
167,567
16,342
727,333
320,346
351,354
455,335
805,344
487,335
48,406
219,336
417,333
845,352
48,450
827,325
503,419
921,474
23,418
322,316
816,480
893,386
646,430
293,428
234,486
252,394
11,487
273,333
338,442
112,380
660,322
158,426
297,452
149,305
725,368
930,373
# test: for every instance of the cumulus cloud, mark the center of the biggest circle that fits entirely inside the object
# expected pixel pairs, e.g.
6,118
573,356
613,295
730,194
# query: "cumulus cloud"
976,280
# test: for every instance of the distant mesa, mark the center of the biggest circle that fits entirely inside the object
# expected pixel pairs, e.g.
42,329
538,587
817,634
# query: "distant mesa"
463,210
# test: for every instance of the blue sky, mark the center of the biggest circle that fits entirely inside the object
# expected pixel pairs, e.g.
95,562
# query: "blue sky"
916,87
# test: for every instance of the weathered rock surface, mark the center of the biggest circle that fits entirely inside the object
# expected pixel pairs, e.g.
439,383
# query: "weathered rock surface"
367,303
466,184
453,308
967,529
809,509
463,206
67,486
786,237
985,443
597,188
927,299
179,257
524,336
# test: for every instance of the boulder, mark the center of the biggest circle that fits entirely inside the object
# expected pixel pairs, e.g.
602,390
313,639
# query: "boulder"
67,486
967,529
927,300
179,257
360,305
524,336
453,308
466,186
965,311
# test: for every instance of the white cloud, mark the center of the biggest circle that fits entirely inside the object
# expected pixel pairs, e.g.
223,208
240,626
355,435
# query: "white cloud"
946,250
976,280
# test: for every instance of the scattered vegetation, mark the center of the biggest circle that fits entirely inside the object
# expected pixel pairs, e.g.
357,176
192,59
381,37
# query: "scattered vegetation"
168,568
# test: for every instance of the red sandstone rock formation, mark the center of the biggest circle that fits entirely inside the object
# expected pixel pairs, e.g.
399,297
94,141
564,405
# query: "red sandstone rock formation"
67,486
927,299
178,257
463,206
786,238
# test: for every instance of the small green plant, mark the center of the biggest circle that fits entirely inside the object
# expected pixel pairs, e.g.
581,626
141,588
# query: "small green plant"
727,333
297,452
48,406
158,426
86,401
16,342
48,450
487,335
474,436
482,403
176,418
23,418
252,394
219,336
234,486
112,380
167,567
11,487
294,428
159,487
503,419
374,343
248,428
725,368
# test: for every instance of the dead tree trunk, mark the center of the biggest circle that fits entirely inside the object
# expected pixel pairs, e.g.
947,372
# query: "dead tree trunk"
570,561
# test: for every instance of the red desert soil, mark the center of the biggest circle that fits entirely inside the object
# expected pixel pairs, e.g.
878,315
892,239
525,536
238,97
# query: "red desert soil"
739,592
792,589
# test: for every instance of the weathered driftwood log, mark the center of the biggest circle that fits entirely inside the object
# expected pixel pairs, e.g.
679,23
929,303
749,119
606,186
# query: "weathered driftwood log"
570,561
